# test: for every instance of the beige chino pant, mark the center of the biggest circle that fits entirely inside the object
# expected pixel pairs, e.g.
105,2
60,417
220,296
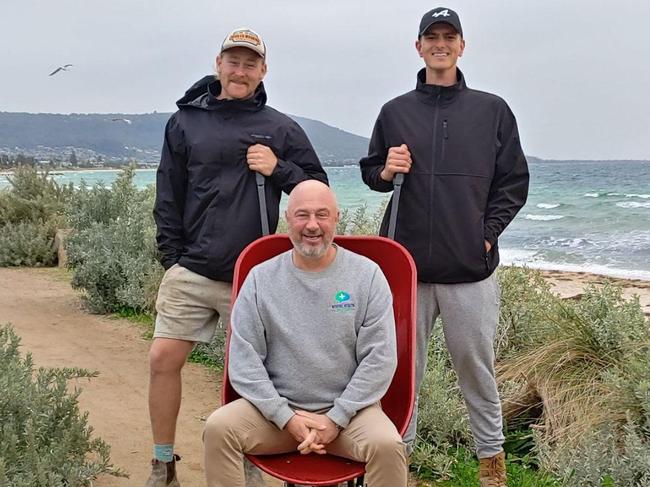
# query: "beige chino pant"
238,428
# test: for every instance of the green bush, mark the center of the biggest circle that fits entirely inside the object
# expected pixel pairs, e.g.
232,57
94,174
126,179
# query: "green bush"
44,440
31,211
112,249
33,197
26,244
584,368
360,221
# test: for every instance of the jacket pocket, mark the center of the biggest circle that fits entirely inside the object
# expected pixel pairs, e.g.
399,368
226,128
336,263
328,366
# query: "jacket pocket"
484,251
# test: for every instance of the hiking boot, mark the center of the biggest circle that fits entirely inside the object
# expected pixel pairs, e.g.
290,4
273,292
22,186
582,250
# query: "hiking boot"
492,471
163,474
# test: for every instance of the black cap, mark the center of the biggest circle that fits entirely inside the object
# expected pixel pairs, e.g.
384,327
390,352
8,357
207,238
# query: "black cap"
437,15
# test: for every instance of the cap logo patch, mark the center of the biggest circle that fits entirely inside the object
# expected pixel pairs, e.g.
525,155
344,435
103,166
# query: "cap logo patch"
245,36
443,13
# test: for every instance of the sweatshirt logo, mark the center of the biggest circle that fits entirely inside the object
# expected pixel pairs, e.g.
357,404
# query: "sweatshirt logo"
342,302
342,296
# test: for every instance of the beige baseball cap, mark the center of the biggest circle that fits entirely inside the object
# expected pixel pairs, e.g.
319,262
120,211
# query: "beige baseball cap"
244,37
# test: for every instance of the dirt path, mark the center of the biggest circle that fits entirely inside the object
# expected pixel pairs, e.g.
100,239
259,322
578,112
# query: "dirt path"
46,313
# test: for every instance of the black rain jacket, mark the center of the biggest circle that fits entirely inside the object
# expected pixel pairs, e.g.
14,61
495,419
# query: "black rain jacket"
207,209
468,180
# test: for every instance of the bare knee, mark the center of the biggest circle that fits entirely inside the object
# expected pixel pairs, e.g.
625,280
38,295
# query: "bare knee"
168,355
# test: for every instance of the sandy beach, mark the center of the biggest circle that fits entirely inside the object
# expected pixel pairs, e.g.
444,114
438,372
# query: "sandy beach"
571,285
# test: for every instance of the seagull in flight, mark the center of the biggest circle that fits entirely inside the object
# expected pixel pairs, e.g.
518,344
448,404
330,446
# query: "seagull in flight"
125,120
60,68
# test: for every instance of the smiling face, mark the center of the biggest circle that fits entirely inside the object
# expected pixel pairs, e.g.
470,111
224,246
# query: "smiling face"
240,71
440,47
312,215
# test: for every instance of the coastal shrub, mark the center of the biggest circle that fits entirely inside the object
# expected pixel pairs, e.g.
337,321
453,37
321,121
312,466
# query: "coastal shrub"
587,373
111,249
360,221
33,197
528,307
26,244
44,440
31,210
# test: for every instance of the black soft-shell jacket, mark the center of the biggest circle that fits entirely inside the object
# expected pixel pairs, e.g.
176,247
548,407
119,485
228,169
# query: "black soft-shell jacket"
207,209
468,180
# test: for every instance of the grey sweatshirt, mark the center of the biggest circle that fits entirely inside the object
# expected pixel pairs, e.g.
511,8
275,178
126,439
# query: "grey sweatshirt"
313,340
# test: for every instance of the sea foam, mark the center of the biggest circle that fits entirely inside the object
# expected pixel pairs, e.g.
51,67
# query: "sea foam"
634,204
548,205
543,217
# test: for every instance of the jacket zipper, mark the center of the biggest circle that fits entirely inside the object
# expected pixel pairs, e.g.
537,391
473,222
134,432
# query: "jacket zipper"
445,136
433,177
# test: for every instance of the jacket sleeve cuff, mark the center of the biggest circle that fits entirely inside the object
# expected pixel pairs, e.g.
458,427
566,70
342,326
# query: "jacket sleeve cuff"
282,417
381,184
339,416
280,169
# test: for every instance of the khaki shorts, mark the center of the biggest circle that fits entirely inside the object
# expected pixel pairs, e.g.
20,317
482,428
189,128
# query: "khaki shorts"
189,305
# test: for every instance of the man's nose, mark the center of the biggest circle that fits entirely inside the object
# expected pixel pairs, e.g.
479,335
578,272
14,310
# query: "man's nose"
312,223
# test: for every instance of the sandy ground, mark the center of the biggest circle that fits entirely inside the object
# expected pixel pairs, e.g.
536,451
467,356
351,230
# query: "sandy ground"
47,314
571,284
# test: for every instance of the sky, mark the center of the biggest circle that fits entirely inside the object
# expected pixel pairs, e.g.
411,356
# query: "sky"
574,72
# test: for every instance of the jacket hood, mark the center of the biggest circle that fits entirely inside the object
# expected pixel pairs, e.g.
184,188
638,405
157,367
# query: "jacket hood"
431,92
203,95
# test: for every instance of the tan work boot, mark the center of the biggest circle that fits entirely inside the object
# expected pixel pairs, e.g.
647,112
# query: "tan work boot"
492,471
163,474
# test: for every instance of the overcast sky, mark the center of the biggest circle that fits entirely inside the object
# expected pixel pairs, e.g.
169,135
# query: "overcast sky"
575,72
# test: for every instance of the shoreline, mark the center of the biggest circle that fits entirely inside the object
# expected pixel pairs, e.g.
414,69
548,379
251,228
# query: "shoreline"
600,271
571,285
87,169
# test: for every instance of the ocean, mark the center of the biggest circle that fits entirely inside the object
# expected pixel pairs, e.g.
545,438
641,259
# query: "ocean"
580,216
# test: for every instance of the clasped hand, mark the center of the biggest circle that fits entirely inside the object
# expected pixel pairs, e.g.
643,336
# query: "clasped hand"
261,158
313,431
398,160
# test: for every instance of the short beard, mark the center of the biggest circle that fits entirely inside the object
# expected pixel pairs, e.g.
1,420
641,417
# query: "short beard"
309,251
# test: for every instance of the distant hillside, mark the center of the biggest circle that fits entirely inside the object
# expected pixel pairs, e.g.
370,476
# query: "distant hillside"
121,135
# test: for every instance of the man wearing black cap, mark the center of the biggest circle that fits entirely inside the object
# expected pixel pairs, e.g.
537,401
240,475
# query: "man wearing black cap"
207,210
466,179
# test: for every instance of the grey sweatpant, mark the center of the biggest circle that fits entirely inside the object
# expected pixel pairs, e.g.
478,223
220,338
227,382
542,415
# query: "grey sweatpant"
470,313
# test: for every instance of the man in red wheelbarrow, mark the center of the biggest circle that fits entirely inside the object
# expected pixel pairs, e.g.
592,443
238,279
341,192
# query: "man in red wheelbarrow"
312,352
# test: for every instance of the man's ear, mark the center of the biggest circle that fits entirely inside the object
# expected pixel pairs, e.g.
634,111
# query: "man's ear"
217,64
418,47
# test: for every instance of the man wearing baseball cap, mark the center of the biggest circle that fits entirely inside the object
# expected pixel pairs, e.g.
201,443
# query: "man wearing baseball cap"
465,178
207,210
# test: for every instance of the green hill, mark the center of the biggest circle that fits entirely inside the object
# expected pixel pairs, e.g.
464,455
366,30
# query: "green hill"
139,136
